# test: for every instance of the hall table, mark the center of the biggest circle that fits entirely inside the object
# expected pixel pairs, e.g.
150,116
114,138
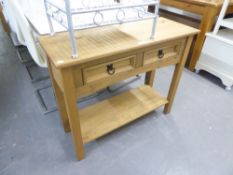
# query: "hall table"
108,55
208,9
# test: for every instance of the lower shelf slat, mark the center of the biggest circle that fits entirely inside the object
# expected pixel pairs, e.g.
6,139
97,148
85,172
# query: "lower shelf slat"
108,115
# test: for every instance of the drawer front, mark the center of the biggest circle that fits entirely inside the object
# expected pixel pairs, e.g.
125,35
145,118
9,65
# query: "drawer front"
108,69
164,53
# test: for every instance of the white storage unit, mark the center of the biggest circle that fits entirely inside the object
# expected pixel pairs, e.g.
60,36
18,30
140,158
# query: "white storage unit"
217,53
217,56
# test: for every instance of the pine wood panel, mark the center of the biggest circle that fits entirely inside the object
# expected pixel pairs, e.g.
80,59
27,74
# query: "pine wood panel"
106,116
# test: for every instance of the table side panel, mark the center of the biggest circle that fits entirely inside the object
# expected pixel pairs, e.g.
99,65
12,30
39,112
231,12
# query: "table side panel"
57,75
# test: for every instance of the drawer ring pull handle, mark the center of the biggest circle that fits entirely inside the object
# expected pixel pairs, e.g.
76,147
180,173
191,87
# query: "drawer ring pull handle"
160,54
110,69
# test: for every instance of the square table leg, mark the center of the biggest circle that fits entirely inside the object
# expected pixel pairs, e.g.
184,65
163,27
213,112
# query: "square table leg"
70,97
207,22
176,76
60,101
149,78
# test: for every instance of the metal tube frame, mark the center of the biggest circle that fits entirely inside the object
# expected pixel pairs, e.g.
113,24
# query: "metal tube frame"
156,11
71,30
114,7
49,19
70,12
107,24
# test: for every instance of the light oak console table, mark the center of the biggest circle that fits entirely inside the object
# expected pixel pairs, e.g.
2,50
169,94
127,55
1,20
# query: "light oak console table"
108,55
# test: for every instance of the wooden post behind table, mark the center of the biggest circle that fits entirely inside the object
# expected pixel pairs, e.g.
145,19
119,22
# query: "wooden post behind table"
106,56
208,9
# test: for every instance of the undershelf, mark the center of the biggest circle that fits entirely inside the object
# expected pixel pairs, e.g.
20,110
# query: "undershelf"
108,115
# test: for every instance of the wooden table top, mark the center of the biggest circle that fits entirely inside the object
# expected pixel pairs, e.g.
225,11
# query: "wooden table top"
203,2
106,41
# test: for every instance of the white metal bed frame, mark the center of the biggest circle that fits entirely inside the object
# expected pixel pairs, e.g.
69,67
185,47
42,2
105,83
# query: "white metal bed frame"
133,10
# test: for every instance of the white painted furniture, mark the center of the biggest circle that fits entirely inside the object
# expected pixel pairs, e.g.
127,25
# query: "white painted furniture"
15,33
28,36
217,53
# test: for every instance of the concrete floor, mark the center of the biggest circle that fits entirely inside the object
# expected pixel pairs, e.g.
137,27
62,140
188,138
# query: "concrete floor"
196,138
